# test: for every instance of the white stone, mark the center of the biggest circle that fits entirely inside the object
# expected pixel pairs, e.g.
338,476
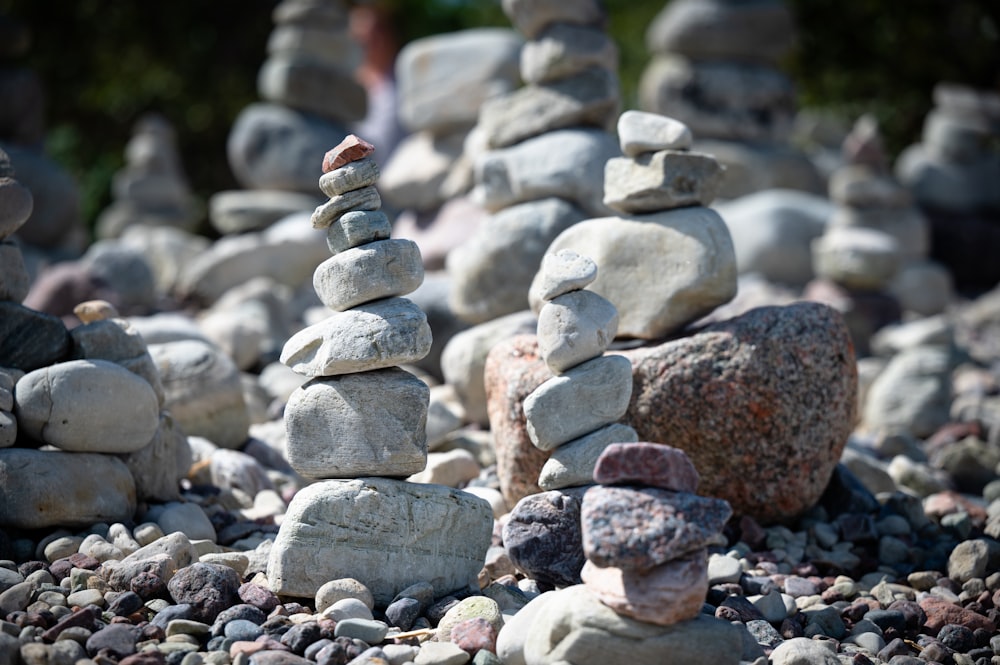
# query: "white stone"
451,469
856,257
336,590
366,198
441,653
187,518
349,177
572,464
805,651
661,180
565,49
562,272
533,16
641,132
357,227
420,165
376,270
574,328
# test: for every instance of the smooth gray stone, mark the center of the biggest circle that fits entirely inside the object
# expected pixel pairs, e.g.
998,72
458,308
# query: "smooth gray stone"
15,282
317,42
376,270
580,401
366,198
908,226
443,80
29,339
572,464
640,132
164,557
55,213
562,272
565,49
661,181
54,488
357,227
358,424
922,374
375,335
16,204
117,341
77,406
314,87
159,467
169,250
353,175
856,257
390,534
421,172
239,211
533,16
574,328
126,271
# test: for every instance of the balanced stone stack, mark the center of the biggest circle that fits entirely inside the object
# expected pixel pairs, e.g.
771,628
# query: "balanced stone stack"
151,190
548,142
953,173
715,68
310,95
358,424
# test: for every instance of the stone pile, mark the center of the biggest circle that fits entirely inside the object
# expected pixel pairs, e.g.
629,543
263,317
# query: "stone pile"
952,173
715,68
548,142
310,96
358,424
151,190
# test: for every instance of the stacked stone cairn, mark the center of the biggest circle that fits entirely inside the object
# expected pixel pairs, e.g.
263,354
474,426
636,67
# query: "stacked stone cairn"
151,190
310,96
547,144
358,424
715,68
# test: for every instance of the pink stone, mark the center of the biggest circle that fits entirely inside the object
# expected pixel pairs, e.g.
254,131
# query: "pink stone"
474,635
940,612
644,463
664,595
351,149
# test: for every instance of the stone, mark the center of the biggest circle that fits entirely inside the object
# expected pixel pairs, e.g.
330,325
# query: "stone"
572,464
369,631
441,653
350,176
579,401
118,342
375,335
453,468
574,328
15,282
159,467
543,539
641,132
366,198
203,391
639,528
795,393
561,273
907,226
379,269
565,49
42,489
75,406
532,17
355,228
475,635
577,628
239,211
187,518
358,424
418,174
857,258
272,146
923,287
941,613
643,463
565,163
436,95
491,272
473,607
351,149
912,393
666,594
30,340
55,213
335,590
16,204
301,83
208,588
392,534
587,99
803,651
661,270
660,181
123,270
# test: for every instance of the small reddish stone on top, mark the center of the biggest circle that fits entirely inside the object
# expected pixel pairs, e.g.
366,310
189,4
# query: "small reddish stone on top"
351,149
645,463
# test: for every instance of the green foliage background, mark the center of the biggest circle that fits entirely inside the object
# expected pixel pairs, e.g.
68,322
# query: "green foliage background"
105,62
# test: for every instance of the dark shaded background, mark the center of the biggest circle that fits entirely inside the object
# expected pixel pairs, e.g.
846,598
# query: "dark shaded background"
105,62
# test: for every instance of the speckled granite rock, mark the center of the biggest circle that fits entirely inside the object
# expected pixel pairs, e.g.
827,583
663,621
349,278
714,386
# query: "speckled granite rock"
644,463
542,537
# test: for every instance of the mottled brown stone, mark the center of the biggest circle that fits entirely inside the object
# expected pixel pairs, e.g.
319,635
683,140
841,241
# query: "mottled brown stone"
644,463
351,149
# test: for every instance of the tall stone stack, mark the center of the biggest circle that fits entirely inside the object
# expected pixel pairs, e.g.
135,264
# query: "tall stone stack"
715,67
358,425
547,144
151,190
310,96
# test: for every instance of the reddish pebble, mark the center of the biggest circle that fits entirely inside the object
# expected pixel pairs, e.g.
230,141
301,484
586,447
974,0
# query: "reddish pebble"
940,613
643,463
351,149
474,635
258,596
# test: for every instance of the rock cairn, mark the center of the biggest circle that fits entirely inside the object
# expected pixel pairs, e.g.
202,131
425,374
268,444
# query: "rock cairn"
151,190
714,68
548,142
358,424
952,173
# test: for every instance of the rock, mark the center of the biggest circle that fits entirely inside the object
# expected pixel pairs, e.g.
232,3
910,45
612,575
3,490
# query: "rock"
208,588
473,607
573,463
159,467
577,628
564,49
803,651
661,270
857,258
640,132
475,635
55,213
351,149
532,17
972,558
441,653
15,282
796,391
30,340
327,214
355,228
335,590
75,406
561,273
187,518
16,204
393,534
375,335
940,613
661,180
453,468
666,594
575,327
118,342
203,391
239,211
355,167
52,488
376,270
301,83
579,401
643,463
125,271
543,539
358,424
912,393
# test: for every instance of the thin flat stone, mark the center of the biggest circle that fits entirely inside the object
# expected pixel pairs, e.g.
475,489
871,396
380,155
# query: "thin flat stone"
644,463
357,227
640,132
574,328
350,176
661,181
376,270
637,528
30,339
564,49
366,198
572,464
562,272
351,149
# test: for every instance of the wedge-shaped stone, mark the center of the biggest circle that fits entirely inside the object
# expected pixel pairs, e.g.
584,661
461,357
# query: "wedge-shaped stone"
387,534
661,181
358,424
583,399
349,177
574,328
640,132
572,464
357,227
564,49
379,334
366,198
376,270
562,272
